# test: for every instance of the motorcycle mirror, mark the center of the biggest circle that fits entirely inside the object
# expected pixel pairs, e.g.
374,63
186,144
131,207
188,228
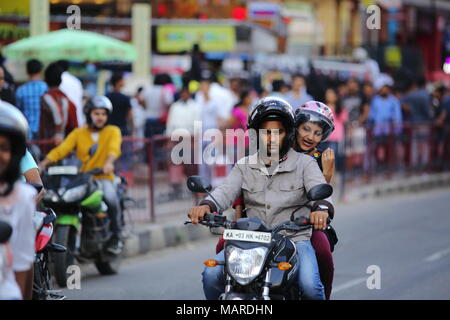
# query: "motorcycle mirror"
5,231
198,184
320,192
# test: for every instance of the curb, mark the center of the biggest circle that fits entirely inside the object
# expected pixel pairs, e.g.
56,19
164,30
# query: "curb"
153,237
406,185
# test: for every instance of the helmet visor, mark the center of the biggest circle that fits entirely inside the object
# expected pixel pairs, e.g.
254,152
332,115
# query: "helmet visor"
322,122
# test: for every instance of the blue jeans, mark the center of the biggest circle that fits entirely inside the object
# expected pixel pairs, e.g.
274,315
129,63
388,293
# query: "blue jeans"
308,278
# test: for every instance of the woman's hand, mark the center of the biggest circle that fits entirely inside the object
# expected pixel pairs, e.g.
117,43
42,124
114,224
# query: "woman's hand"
328,162
40,196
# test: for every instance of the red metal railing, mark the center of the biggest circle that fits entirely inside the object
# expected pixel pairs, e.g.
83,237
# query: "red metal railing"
158,185
371,153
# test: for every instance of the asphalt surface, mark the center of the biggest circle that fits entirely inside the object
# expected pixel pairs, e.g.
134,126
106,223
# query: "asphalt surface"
405,239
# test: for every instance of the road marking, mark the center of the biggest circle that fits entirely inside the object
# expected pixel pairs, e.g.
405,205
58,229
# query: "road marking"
349,284
438,255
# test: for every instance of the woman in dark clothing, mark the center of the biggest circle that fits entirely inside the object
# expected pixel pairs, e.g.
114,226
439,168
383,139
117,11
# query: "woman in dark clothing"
314,123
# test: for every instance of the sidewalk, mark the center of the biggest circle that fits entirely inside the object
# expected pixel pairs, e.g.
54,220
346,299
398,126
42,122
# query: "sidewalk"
170,231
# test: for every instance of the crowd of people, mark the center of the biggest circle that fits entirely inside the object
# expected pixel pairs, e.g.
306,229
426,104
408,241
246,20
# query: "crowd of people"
52,102
51,107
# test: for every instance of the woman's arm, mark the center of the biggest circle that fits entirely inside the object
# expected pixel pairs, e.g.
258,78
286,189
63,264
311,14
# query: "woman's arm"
33,176
328,164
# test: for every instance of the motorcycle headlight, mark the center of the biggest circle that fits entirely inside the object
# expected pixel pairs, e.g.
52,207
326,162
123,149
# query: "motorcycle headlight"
50,196
245,265
75,194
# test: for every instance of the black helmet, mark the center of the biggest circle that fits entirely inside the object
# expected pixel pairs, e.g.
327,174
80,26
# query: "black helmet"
97,102
273,108
14,125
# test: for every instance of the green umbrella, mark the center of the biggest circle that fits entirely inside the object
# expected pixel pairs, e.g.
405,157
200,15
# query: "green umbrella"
73,45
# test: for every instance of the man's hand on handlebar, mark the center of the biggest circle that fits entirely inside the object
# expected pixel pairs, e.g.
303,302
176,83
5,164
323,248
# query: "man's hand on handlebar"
197,213
319,220
108,168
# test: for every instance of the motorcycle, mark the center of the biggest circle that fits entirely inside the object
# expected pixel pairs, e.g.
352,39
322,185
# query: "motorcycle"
260,262
82,224
42,281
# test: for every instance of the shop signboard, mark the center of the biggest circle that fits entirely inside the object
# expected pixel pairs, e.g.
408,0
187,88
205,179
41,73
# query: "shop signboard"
211,38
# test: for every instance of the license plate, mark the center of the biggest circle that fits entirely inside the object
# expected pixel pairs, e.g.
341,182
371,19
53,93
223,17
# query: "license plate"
244,235
62,170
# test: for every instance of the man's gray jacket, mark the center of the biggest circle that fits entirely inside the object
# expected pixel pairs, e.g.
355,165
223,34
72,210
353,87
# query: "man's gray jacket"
272,198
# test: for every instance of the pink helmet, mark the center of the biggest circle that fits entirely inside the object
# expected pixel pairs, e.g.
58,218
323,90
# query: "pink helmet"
317,112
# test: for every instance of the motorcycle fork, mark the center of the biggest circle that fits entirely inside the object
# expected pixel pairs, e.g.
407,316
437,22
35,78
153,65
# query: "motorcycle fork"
228,284
78,234
267,284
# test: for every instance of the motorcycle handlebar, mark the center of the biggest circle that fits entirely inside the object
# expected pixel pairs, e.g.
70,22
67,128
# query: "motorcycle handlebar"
216,220
96,171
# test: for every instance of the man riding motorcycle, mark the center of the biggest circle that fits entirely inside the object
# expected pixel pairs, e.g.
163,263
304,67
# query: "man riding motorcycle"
97,145
274,182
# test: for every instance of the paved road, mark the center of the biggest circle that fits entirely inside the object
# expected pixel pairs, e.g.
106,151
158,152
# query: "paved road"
407,237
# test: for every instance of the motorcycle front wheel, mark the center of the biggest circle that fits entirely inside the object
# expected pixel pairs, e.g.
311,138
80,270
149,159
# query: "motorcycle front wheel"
41,281
111,266
66,236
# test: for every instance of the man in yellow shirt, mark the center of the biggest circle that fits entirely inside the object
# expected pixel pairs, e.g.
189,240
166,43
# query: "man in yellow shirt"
97,145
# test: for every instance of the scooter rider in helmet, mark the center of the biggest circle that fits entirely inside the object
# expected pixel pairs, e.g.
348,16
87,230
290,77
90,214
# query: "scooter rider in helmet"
274,182
97,145
17,204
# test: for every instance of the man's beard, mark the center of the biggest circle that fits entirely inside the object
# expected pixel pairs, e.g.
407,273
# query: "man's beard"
267,152
95,127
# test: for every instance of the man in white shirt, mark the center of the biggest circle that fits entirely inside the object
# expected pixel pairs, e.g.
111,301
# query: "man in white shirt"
181,120
215,111
214,114
225,96
157,98
298,95
183,113
73,89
